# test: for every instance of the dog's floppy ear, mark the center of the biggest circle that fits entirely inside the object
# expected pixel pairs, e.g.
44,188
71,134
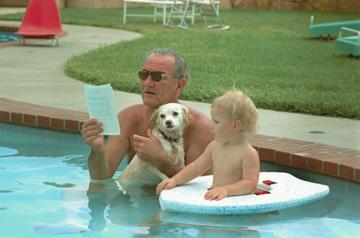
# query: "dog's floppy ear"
186,115
154,116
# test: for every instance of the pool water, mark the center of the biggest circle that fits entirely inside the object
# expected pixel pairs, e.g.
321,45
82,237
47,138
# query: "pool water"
7,36
45,190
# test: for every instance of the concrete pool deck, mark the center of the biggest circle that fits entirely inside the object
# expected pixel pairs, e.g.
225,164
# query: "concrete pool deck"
35,91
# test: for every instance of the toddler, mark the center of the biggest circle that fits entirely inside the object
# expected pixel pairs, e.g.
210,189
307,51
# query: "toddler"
234,162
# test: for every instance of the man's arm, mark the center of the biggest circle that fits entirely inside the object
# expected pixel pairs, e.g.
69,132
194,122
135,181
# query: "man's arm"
104,161
105,158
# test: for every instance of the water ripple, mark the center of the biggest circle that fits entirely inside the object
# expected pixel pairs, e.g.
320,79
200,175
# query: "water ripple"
57,185
4,151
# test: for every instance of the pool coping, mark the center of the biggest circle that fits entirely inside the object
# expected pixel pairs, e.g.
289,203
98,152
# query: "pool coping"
315,157
8,28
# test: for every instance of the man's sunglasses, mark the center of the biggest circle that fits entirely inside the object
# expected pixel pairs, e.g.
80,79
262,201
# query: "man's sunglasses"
155,75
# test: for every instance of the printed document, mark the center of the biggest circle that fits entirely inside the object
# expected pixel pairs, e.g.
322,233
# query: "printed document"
101,106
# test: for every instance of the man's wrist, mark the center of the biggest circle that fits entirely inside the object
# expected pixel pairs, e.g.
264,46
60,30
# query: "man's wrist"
97,151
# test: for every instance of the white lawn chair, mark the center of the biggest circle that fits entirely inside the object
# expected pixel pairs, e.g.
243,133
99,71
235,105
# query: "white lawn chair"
181,12
157,4
204,8
213,11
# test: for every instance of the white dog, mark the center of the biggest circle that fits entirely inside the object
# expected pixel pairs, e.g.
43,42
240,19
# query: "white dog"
170,120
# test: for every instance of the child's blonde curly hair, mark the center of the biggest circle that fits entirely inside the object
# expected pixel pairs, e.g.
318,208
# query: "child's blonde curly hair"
238,106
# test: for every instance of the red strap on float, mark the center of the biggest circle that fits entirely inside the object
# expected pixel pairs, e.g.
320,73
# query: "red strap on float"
262,192
268,182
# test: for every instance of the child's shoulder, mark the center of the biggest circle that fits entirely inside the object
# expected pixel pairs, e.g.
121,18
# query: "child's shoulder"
252,152
251,148
247,151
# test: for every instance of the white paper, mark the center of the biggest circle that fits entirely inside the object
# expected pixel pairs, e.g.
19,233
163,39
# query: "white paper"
101,106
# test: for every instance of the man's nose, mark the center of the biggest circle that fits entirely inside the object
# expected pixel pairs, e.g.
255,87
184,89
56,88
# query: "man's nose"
148,81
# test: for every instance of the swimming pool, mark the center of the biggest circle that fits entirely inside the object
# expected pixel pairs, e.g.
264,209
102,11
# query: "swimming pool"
45,190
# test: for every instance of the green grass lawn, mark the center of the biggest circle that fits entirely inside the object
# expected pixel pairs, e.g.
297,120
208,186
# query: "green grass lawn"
266,53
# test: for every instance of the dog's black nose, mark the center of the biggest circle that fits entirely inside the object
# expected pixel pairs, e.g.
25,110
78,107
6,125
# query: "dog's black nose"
168,122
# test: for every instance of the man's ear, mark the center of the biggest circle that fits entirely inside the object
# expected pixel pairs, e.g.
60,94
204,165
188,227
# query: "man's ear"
180,86
237,125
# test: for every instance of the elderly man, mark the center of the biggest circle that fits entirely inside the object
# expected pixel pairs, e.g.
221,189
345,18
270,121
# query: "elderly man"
162,80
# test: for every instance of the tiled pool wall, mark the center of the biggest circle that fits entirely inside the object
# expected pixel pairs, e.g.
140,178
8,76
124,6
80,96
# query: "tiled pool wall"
310,156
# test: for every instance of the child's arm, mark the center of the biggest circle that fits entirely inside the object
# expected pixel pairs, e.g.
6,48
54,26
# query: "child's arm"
247,185
196,168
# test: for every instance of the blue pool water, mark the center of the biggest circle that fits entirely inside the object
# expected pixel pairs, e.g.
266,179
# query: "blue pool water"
7,36
45,191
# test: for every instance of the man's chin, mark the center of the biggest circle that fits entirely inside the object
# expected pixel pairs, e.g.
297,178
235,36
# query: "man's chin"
150,101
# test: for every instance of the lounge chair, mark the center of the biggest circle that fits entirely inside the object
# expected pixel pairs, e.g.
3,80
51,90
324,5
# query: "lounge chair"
330,30
41,21
348,44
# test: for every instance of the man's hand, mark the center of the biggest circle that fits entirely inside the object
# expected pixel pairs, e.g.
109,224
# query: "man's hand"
149,147
90,132
165,184
216,193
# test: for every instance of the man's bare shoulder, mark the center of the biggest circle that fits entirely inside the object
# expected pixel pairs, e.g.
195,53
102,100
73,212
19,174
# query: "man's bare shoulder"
133,112
199,120
133,109
132,116
200,126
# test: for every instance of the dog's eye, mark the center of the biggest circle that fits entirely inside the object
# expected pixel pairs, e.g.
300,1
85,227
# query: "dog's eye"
175,114
162,116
